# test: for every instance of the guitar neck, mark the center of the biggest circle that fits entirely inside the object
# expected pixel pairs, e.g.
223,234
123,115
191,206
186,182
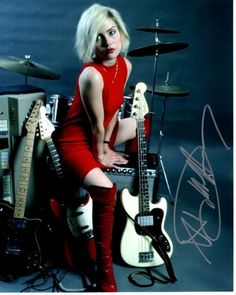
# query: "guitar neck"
19,210
144,206
55,157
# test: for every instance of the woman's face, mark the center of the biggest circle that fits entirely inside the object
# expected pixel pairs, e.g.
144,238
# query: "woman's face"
108,43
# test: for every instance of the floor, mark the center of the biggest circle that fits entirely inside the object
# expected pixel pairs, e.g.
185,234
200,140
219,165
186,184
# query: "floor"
199,222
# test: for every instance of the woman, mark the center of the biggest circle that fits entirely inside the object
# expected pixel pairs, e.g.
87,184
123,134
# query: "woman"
91,128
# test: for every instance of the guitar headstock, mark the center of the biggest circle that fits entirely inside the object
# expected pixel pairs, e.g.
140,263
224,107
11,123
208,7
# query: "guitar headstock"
45,126
139,107
33,119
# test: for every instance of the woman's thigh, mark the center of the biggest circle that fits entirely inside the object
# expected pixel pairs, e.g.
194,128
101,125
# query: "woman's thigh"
126,130
98,178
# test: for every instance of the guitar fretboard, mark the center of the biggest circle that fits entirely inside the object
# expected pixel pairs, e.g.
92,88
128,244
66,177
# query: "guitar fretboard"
19,210
144,207
55,157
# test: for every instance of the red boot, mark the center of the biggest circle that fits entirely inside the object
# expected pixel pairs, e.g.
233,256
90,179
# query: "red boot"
104,200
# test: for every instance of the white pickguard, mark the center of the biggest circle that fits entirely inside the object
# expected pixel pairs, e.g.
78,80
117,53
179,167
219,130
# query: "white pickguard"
131,242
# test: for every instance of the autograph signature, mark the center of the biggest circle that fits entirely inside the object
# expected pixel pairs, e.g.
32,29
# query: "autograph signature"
196,225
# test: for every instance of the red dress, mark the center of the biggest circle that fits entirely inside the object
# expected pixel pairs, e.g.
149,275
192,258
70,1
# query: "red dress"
75,137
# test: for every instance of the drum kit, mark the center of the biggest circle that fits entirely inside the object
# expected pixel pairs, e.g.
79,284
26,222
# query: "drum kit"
27,67
165,90
57,105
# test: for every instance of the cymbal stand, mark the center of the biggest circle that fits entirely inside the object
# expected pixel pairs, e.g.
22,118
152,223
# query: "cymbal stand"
27,58
154,79
160,142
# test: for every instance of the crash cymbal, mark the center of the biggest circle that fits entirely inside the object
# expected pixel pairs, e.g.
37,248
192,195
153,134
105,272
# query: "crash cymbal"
168,90
158,48
27,67
157,30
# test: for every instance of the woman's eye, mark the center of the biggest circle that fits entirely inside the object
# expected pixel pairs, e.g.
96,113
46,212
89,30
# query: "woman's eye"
99,38
113,32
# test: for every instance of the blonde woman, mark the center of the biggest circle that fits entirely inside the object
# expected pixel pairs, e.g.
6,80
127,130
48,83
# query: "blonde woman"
91,129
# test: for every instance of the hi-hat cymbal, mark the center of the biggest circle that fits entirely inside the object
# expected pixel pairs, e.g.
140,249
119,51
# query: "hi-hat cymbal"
168,90
157,30
28,68
158,49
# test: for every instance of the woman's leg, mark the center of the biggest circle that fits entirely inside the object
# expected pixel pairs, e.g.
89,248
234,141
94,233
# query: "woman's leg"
103,194
96,177
126,130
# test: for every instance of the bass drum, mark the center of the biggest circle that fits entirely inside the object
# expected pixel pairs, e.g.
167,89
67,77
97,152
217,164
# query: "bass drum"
59,106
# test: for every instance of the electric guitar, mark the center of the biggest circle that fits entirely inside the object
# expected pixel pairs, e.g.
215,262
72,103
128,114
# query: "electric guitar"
145,220
46,130
63,214
19,246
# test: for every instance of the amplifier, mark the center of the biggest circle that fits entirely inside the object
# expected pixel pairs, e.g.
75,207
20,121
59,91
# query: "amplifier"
127,175
15,105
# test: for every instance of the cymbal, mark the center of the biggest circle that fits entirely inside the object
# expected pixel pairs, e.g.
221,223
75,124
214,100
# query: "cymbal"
27,67
168,90
158,48
157,30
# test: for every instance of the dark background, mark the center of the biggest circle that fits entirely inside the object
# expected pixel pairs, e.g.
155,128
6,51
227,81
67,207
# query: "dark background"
46,30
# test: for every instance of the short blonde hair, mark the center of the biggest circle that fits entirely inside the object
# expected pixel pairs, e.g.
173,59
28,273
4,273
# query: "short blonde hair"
88,28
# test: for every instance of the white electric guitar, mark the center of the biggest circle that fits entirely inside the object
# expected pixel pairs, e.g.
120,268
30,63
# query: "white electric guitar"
145,220
84,212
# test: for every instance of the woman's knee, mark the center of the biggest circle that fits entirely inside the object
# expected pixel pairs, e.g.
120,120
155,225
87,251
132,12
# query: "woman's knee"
96,177
127,130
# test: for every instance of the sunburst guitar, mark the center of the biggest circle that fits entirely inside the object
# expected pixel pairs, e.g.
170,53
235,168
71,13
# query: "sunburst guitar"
145,220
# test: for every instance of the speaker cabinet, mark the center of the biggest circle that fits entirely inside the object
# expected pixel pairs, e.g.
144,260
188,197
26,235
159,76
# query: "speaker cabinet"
15,106
127,176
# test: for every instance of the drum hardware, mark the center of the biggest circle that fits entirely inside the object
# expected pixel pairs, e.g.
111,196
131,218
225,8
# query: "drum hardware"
169,90
166,90
159,48
28,67
57,108
157,29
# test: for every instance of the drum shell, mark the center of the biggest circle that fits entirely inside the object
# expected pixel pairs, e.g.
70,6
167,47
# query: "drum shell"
59,107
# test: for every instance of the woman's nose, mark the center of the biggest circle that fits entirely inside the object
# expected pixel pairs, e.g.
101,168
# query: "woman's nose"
107,41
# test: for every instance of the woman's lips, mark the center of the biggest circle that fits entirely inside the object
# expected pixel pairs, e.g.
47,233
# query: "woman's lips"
110,50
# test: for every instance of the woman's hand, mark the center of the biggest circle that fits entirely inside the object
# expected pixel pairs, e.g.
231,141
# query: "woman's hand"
112,158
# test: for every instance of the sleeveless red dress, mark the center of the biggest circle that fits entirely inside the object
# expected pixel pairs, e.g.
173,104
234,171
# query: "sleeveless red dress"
74,141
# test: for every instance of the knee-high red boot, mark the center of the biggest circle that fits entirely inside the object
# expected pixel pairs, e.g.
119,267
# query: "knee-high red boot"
104,200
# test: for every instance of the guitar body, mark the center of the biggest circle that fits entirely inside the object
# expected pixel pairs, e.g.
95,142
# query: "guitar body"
136,245
19,246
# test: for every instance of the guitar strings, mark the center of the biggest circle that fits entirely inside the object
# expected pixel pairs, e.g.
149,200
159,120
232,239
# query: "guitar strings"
143,186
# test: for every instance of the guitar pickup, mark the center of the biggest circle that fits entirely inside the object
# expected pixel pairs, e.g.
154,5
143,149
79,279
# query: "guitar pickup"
146,220
146,256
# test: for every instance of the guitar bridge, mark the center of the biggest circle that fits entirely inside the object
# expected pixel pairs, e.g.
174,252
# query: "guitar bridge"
146,256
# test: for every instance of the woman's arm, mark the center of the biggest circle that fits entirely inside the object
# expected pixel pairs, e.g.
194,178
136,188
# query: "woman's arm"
111,126
91,86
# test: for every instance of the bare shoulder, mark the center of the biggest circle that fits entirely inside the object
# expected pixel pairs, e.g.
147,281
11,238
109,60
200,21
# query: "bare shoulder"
128,64
90,75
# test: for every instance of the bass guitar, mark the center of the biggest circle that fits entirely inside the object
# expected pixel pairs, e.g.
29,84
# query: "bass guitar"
145,221
19,246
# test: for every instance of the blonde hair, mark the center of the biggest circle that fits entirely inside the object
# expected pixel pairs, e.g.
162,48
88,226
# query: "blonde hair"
88,28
